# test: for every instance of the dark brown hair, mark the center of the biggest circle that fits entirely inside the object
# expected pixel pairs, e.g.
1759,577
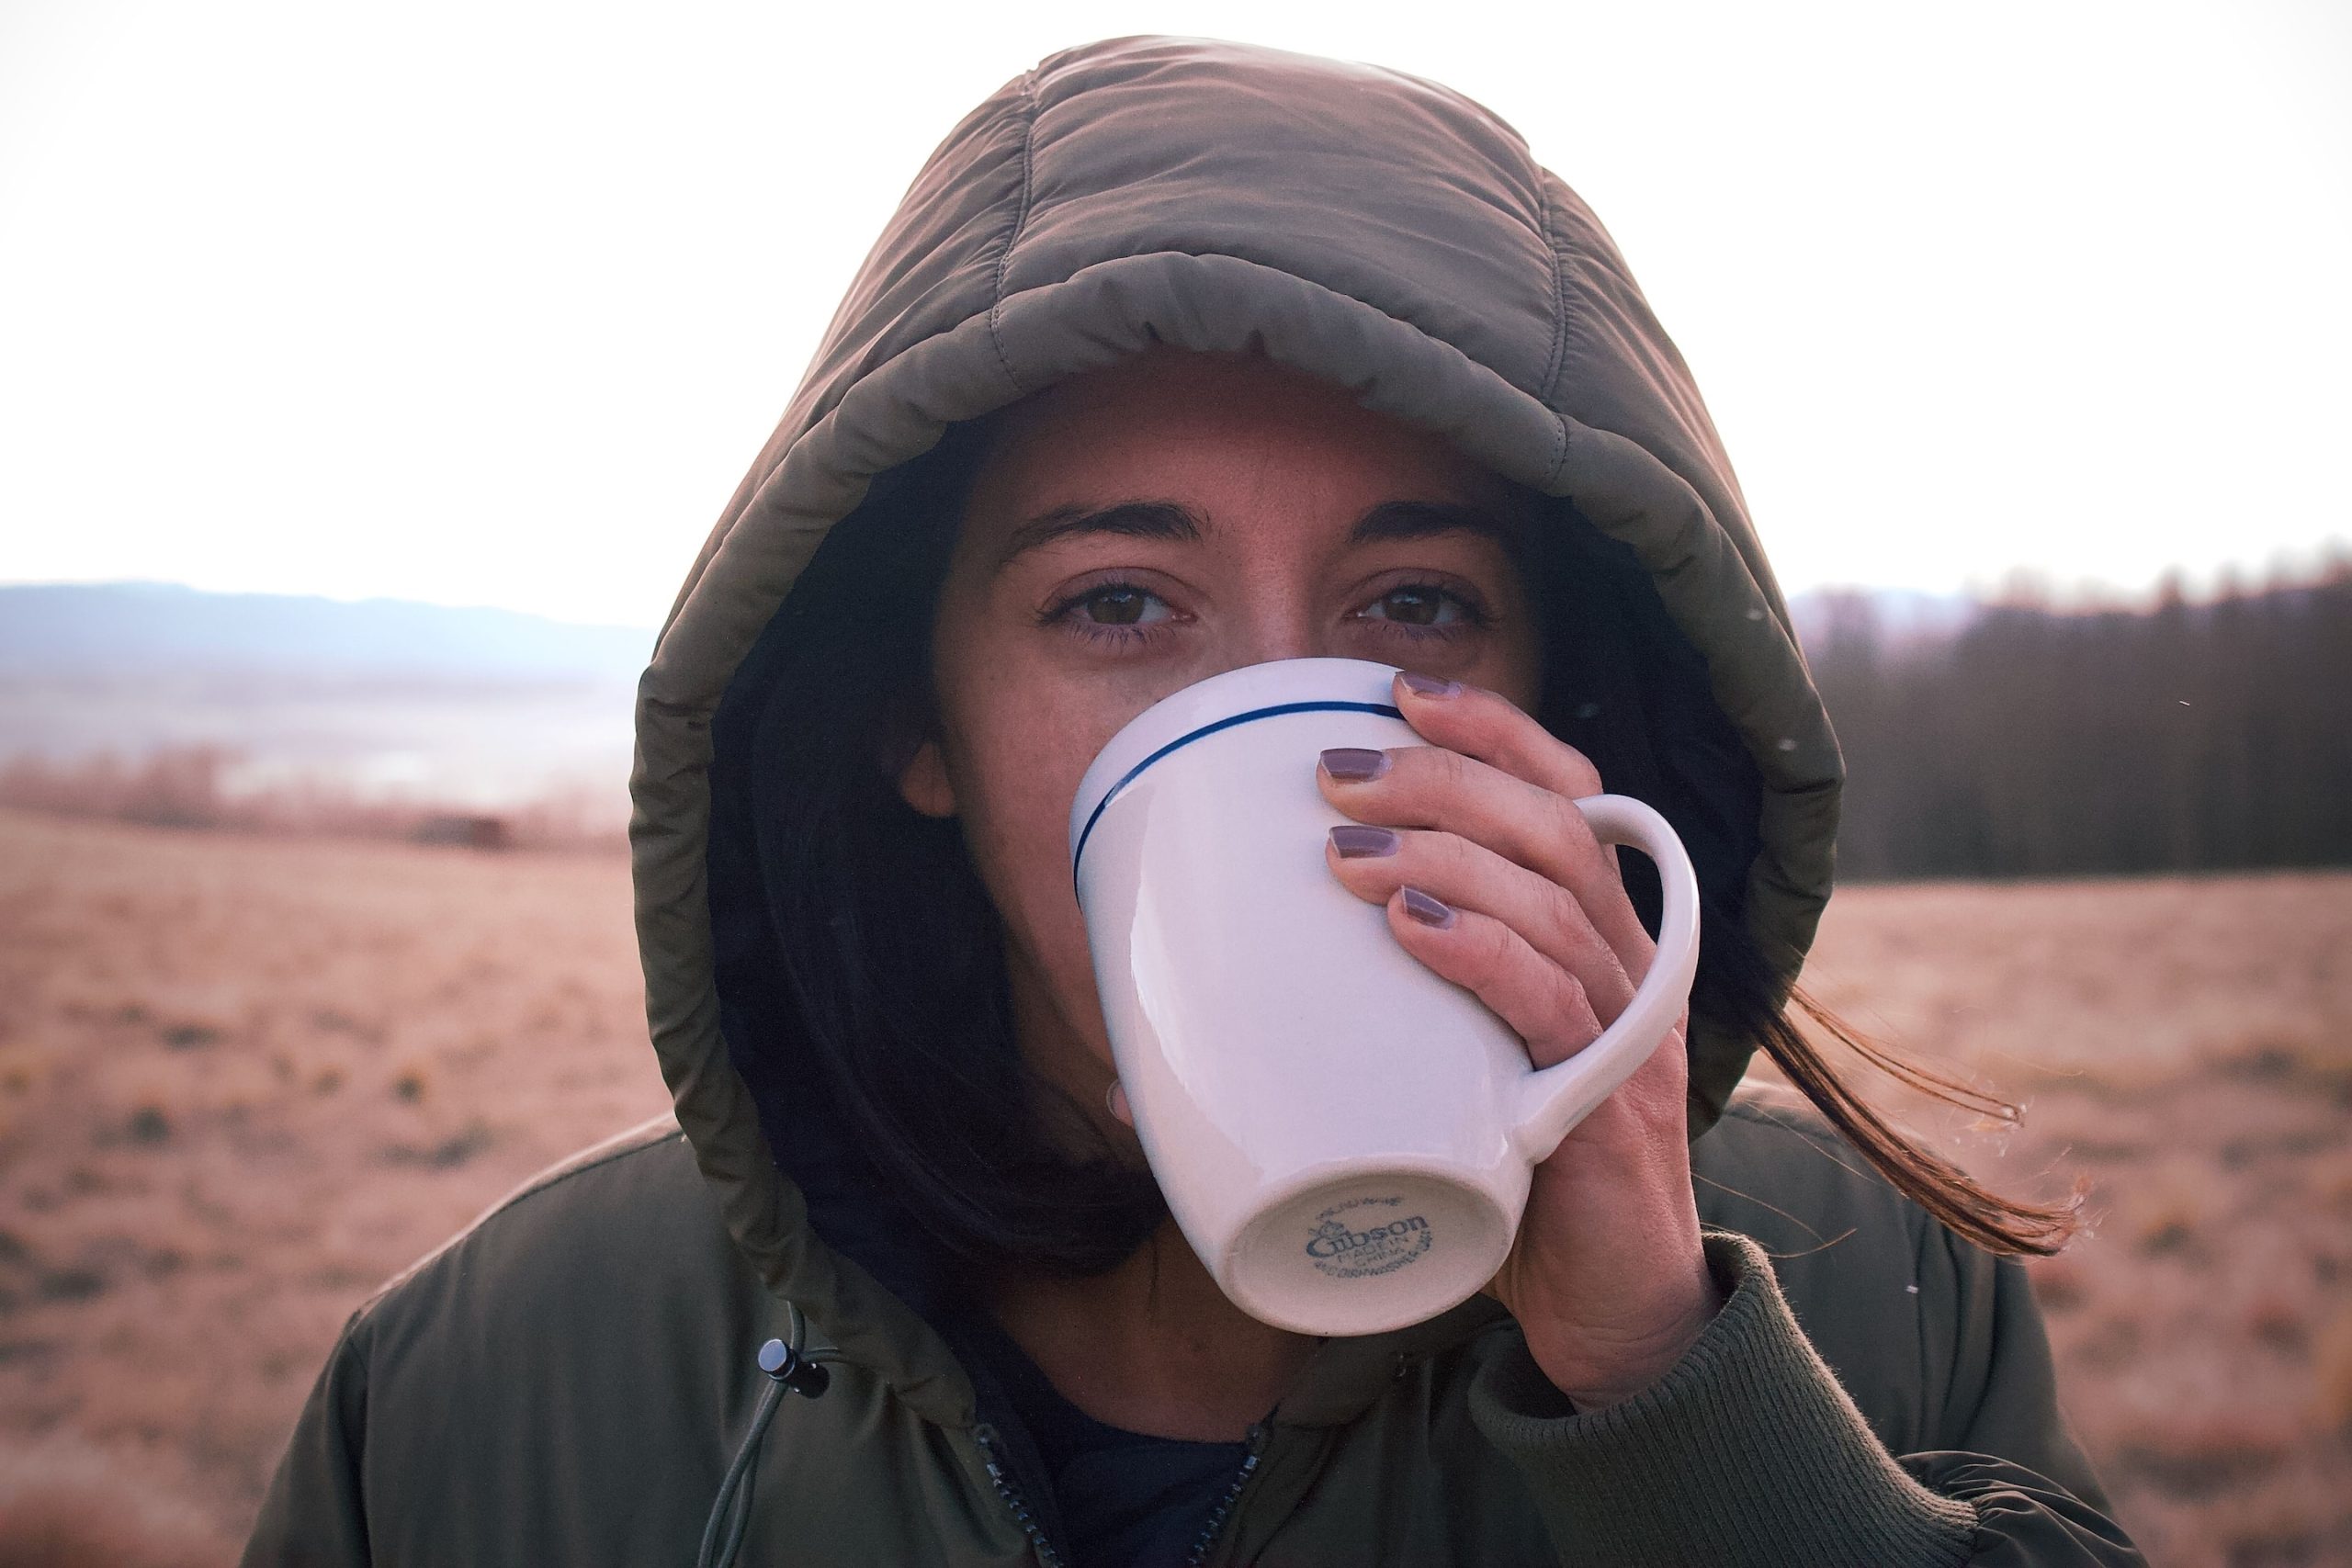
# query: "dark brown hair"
1622,685
860,963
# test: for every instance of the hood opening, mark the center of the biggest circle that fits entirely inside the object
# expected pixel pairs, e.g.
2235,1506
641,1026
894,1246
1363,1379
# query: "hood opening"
857,957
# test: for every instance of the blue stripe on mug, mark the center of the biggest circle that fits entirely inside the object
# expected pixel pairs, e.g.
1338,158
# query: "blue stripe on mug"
1076,855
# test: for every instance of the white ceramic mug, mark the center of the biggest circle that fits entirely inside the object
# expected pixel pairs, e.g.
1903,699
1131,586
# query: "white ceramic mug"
1345,1138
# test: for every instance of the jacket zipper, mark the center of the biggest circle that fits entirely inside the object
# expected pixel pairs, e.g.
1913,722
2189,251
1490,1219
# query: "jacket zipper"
1049,1557
1225,1505
1022,1514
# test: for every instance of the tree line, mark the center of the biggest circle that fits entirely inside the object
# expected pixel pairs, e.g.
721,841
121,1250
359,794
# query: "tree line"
2034,740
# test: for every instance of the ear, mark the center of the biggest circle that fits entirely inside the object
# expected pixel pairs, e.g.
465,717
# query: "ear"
923,783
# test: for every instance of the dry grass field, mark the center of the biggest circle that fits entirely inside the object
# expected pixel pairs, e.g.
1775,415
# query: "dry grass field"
2185,1046
243,1080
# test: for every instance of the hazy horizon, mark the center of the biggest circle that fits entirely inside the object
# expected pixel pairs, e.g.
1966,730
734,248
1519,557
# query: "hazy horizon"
2280,570
397,700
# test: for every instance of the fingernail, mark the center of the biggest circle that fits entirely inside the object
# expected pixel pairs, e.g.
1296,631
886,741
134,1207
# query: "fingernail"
1356,842
1354,764
1430,685
1425,910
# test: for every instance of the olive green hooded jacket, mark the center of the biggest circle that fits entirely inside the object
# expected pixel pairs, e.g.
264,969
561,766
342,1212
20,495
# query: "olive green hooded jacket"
567,1381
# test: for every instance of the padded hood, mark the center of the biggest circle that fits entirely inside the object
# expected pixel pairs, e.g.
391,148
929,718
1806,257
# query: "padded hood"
1365,226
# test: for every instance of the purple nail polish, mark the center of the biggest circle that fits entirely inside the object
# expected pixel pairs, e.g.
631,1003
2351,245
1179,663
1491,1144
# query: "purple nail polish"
1356,842
1430,685
1425,910
1354,764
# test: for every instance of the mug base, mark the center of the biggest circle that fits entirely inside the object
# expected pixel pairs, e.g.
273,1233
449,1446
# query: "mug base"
1366,1252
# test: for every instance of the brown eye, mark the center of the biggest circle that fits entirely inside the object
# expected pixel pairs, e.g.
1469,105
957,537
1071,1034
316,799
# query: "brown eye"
1417,604
1117,606
1111,610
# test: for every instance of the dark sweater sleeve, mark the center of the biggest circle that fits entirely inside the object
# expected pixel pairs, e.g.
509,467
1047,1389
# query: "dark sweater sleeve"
313,1515
1748,1451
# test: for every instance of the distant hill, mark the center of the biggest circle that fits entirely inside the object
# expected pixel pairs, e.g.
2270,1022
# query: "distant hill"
383,699
79,632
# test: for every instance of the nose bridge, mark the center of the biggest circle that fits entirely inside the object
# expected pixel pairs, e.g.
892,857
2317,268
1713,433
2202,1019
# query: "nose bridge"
1276,617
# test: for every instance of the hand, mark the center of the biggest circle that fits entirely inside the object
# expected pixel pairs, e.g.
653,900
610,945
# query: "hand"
1492,878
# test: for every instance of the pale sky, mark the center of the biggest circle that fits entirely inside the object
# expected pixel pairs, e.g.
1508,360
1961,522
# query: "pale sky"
493,303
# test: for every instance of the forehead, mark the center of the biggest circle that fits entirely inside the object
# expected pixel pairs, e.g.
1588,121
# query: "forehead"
1222,433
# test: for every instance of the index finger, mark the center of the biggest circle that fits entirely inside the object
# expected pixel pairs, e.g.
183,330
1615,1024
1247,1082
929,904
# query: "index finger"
1489,727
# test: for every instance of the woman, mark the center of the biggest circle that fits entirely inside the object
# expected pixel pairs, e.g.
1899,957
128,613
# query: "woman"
1181,356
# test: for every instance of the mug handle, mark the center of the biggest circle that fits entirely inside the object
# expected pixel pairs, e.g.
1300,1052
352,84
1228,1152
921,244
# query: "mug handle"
1558,1097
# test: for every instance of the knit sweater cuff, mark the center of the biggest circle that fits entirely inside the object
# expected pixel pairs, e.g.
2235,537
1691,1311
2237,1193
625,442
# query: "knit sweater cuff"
1748,1451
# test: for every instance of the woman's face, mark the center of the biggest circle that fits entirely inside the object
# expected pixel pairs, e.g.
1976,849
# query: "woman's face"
1143,527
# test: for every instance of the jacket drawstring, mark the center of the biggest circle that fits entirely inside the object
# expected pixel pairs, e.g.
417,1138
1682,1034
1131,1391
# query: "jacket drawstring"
789,1370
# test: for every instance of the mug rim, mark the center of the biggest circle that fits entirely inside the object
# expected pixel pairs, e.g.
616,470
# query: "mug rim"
1228,698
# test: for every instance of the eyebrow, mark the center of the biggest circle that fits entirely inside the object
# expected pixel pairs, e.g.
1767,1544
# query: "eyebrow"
1131,519
1391,520
1426,520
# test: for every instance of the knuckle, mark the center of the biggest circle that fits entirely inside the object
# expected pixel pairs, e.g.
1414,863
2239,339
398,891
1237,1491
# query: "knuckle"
1534,752
1568,920
1490,948
1582,776
1572,1004
1571,768
1425,780
1447,768
1452,856
1480,951
1573,833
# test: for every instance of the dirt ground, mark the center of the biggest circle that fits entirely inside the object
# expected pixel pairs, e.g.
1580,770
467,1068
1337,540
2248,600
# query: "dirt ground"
243,1079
